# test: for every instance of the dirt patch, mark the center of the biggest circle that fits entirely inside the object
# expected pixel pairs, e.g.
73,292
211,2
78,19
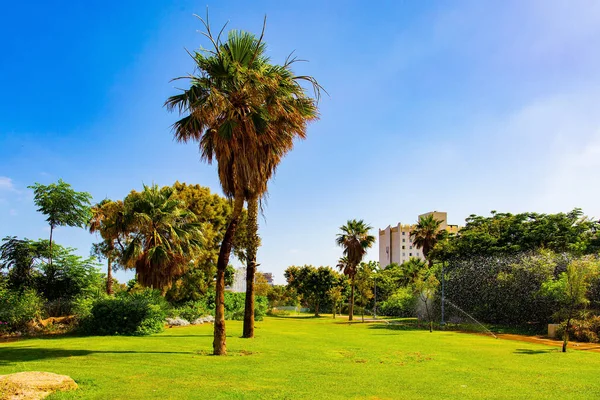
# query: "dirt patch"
595,347
33,385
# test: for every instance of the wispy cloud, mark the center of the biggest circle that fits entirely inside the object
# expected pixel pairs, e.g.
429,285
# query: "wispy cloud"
6,184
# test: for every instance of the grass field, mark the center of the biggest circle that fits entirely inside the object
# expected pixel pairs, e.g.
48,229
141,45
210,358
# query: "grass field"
296,358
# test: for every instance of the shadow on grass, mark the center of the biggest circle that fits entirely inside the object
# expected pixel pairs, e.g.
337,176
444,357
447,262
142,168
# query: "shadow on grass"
297,316
179,336
23,354
532,352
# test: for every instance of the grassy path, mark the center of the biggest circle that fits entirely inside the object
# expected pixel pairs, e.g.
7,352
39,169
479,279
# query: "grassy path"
295,358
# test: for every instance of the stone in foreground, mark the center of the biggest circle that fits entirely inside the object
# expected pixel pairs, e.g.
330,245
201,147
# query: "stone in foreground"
33,385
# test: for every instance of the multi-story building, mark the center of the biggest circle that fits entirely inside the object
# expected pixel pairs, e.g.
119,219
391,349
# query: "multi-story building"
395,243
239,280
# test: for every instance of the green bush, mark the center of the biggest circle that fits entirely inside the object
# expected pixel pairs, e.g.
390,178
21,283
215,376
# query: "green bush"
191,310
583,330
400,304
127,314
17,309
235,303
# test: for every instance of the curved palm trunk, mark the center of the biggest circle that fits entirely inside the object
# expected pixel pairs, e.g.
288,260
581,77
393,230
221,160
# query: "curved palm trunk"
109,282
219,345
252,247
351,305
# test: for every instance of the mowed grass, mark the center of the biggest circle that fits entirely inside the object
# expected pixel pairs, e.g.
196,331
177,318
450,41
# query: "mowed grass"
298,358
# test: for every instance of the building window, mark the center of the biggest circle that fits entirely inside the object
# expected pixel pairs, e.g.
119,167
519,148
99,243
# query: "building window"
403,247
410,247
403,233
403,254
403,240
410,254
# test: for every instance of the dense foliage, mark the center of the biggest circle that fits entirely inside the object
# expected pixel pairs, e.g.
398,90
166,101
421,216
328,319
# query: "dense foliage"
313,285
127,314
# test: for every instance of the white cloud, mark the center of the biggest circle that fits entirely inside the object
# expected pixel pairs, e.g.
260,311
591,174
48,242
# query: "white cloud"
6,183
12,212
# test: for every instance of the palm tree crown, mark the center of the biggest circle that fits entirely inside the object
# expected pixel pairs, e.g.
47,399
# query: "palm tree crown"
425,234
355,240
164,236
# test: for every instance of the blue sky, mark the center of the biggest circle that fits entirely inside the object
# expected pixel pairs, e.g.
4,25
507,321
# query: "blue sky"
463,106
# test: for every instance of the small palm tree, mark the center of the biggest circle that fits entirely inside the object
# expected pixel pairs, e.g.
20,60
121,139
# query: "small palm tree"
164,236
355,240
425,235
108,220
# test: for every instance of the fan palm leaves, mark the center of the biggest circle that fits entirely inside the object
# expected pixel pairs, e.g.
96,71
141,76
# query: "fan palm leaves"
355,241
163,236
425,235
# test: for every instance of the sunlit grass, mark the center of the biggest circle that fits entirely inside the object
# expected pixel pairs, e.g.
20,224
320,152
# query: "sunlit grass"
317,358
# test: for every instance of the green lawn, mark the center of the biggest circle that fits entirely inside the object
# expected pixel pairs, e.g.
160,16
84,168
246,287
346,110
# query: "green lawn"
295,358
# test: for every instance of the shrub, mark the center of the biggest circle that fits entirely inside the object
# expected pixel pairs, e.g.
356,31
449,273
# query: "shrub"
128,314
191,310
235,303
400,304
17,309
583,330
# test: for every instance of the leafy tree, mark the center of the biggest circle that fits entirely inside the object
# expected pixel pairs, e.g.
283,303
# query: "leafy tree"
313,284
282,295
506,233
364,285
68,276
355,240
261,285
426,234
336,295
164,236
62,205
108,218
426,287
18,257
212,214
571,288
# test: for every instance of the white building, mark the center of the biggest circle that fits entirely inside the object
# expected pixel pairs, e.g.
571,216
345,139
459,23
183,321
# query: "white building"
395,243
239,280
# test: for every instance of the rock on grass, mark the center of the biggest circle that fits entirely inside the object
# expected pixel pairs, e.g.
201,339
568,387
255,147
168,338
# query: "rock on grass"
33,385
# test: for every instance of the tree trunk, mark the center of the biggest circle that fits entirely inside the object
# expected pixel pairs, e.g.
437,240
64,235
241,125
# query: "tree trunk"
363,314
252,245
334,311
219,345
316,309
351,303
566,335
50,255
109,289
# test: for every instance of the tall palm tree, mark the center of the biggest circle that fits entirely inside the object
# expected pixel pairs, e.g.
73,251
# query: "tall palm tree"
289,110
108,220
355,240
425,235
222,111
163,236
231,109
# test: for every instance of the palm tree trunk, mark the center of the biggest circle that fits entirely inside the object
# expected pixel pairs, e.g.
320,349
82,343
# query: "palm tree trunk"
351,303
109,289
219,345
50,255
252,245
